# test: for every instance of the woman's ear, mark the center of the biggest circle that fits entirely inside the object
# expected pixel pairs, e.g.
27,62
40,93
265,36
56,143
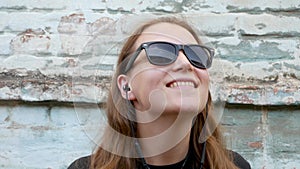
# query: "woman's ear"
123,85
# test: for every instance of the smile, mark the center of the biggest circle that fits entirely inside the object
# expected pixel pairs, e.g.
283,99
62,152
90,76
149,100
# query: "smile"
181,83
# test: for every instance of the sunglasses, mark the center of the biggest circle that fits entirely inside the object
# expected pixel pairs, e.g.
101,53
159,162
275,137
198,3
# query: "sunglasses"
165,53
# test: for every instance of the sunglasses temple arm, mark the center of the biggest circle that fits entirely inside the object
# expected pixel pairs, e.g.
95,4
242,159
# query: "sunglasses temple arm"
132,59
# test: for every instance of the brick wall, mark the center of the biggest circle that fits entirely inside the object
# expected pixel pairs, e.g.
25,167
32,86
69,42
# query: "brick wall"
57,57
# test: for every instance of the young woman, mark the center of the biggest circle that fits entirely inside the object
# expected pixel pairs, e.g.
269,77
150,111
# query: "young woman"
158,105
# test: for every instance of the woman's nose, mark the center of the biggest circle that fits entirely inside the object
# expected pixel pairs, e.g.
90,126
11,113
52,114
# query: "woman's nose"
182,62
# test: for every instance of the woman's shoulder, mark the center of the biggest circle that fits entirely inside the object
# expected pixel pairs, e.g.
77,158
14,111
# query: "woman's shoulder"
84,162
239,161
81,163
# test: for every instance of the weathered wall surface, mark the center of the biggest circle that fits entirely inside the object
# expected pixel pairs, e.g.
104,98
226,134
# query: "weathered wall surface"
54,53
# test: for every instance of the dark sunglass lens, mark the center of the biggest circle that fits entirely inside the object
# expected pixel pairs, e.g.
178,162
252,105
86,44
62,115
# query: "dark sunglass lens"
161,53
198,56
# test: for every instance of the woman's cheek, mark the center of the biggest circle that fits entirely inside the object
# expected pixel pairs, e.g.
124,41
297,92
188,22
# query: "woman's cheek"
202,75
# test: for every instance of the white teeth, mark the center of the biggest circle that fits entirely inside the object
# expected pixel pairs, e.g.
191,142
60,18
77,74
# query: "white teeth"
176,84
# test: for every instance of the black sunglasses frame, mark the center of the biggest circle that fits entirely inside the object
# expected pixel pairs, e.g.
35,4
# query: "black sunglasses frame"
177,47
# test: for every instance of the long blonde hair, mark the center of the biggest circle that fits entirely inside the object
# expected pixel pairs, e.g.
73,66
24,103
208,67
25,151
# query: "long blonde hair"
216,154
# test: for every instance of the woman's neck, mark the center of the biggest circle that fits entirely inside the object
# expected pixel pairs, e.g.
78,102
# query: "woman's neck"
165,140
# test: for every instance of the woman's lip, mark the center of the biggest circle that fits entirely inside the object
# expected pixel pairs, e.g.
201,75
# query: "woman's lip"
177,83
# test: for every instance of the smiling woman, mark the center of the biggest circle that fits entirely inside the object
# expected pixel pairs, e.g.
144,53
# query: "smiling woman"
159,103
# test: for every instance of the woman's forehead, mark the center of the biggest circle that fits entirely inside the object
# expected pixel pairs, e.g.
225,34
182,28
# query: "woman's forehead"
166,32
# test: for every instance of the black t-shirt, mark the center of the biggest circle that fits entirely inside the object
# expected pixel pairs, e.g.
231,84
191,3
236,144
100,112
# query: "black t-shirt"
84,163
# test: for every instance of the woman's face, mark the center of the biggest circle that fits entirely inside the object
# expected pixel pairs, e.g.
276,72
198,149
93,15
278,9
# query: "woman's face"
162,90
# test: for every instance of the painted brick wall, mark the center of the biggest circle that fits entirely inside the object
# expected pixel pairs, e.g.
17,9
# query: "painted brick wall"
56,57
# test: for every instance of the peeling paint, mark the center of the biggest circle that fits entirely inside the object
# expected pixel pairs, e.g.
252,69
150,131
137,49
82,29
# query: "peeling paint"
31,41
256,144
